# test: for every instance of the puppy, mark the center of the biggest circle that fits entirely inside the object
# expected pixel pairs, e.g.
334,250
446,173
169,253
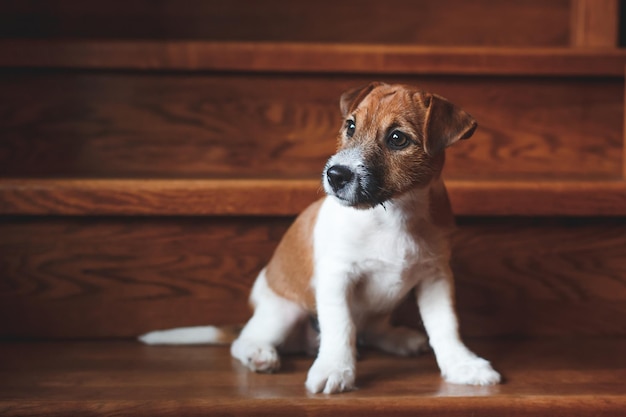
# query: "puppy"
354,255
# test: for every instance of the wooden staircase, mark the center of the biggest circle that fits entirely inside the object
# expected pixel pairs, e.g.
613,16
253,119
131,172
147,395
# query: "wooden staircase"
152,154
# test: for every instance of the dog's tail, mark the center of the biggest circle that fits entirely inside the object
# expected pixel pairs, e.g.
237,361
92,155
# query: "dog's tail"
199,335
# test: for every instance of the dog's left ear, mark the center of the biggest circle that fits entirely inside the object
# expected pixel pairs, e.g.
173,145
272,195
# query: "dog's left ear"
444,123
351,98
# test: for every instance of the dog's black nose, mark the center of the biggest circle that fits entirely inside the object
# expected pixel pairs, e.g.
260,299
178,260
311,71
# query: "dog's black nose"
338,176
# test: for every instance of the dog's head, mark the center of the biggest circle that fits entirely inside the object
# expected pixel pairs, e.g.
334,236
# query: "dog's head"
393,140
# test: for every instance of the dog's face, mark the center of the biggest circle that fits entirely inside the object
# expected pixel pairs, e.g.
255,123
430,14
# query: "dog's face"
392,141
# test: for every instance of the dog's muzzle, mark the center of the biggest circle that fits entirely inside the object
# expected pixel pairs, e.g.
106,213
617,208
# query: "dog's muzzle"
347,178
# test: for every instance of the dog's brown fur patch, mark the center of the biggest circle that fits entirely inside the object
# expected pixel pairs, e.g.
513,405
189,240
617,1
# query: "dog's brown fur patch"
440,209
290,270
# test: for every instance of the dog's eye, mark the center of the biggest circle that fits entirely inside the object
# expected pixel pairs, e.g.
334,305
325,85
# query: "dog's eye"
397,140
350,128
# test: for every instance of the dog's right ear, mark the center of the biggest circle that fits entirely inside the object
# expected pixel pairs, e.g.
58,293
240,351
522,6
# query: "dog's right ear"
444,123
351,98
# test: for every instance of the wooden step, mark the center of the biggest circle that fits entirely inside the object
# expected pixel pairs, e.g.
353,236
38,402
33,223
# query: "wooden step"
279,197
542,378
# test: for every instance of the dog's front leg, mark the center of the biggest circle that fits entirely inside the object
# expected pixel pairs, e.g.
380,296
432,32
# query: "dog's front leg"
334,369
458,364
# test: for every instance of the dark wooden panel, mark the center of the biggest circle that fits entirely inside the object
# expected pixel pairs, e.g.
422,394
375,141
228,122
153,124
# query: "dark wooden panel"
120,125
69,278
125,125
543,378
538,128
447,22
541,277
80,278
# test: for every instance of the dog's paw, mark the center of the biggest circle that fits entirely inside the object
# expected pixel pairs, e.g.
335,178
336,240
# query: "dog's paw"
474,371
330,378
257,357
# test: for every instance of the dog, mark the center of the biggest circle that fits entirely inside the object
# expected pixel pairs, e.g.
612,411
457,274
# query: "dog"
378,236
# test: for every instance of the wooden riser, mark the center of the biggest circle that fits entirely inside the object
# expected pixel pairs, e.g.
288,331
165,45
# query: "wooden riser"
156,125
573,378
66,278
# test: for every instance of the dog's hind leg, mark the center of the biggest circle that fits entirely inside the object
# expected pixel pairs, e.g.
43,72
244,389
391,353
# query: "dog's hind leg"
273,320
402,341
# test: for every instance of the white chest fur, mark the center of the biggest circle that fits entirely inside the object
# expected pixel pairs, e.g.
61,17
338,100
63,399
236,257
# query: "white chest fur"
380,254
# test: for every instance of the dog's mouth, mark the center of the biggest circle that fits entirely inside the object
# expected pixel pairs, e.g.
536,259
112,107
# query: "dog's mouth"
360,202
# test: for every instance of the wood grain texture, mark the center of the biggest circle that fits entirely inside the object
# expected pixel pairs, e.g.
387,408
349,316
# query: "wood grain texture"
257,126
443,22
543,378
537,277
289,57
594,23
75,278
543,198
273,197
240,197
79,278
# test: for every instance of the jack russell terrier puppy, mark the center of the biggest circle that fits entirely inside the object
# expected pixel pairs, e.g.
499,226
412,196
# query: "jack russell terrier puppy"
353,256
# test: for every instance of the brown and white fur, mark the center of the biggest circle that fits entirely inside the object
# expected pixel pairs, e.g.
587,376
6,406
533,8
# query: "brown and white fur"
352,256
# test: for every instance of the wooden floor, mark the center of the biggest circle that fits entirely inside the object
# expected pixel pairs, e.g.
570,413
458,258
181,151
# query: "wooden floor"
548,377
